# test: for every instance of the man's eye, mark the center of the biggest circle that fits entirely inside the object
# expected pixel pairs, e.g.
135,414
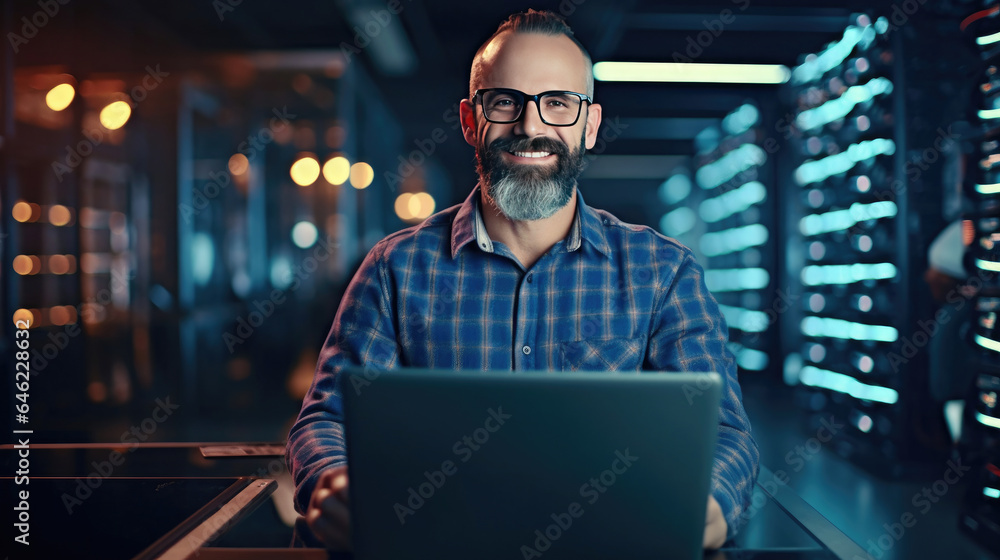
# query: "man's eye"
503,102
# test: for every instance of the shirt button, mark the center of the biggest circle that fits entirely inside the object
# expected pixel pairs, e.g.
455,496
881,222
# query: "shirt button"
526,349
529,278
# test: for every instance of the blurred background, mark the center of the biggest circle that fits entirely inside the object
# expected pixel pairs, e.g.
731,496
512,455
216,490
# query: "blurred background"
188,186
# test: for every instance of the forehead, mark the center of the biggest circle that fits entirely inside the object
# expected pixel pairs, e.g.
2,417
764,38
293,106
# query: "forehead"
532,63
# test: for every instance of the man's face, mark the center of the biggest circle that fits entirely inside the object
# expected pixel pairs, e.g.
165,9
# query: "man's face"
528,168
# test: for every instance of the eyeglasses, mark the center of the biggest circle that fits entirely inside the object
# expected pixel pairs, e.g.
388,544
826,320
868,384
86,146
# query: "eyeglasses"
556,108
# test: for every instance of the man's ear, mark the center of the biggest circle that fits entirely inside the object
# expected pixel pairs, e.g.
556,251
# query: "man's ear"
593,123
467,115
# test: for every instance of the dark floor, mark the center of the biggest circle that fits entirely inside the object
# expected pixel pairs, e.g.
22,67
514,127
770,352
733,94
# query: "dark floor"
862,505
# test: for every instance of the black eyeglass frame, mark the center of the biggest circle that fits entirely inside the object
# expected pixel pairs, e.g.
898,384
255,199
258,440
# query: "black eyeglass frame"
537,99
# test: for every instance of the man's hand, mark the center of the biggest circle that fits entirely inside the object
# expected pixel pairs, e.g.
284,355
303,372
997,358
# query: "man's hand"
329,515
715,525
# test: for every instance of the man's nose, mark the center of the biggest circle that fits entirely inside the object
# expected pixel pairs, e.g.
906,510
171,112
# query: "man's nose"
530,123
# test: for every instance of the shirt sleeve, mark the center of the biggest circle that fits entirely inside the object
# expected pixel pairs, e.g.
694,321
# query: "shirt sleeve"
689,334
363,334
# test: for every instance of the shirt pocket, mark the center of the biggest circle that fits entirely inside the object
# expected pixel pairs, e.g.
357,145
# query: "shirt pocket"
613,354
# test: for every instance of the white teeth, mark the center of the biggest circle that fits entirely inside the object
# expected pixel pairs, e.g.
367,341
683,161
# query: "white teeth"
531,154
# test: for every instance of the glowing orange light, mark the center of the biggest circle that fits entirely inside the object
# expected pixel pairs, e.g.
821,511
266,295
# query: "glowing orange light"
59,97
58,264
59,215
58,315
362,175
238,164
305,171
115,115
22,265
21,211
23,319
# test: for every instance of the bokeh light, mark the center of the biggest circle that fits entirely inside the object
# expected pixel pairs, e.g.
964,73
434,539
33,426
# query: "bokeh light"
238,164
362,175
115,115
336,170
59,215
305,171
59,97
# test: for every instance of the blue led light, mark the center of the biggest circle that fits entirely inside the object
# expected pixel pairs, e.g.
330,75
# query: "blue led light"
732,202
678,222
737,279
814,171
833,56
746,320
675,189
847,330
816,377
823,275
729,166
740,120
838,220
843,105
988,420
733,240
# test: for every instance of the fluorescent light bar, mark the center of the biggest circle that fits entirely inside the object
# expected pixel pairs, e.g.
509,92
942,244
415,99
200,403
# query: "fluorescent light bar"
847,330
691,72
729,166
988,39
816,377
823,275
837,220
733,240
988,113
988,189
843,105
732,202
736,279
991,492
817,65
988,420
988,265
746,320
814,171
987,343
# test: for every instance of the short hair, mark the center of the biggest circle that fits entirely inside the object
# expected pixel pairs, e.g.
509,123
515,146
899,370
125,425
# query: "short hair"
532,21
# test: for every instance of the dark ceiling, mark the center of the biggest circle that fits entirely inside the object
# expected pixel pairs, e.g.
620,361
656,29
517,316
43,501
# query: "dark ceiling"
434,43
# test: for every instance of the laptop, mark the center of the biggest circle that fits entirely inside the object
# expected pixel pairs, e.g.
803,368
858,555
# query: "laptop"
523,465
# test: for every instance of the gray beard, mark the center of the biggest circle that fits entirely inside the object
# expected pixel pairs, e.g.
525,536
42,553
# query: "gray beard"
527,192
529,199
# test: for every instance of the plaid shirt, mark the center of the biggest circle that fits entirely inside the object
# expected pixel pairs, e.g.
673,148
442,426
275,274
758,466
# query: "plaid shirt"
611,296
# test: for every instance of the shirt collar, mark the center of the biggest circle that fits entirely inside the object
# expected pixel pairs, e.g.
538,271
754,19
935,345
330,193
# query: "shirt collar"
468,226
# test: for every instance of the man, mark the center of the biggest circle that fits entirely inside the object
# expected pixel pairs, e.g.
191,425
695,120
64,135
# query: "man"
522,276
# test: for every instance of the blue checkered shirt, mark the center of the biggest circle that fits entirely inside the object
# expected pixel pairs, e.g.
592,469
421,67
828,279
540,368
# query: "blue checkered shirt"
610,296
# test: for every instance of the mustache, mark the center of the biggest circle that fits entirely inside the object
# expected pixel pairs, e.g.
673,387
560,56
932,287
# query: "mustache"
525,144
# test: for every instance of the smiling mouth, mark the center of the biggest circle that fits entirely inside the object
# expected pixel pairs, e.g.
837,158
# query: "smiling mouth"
531,154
